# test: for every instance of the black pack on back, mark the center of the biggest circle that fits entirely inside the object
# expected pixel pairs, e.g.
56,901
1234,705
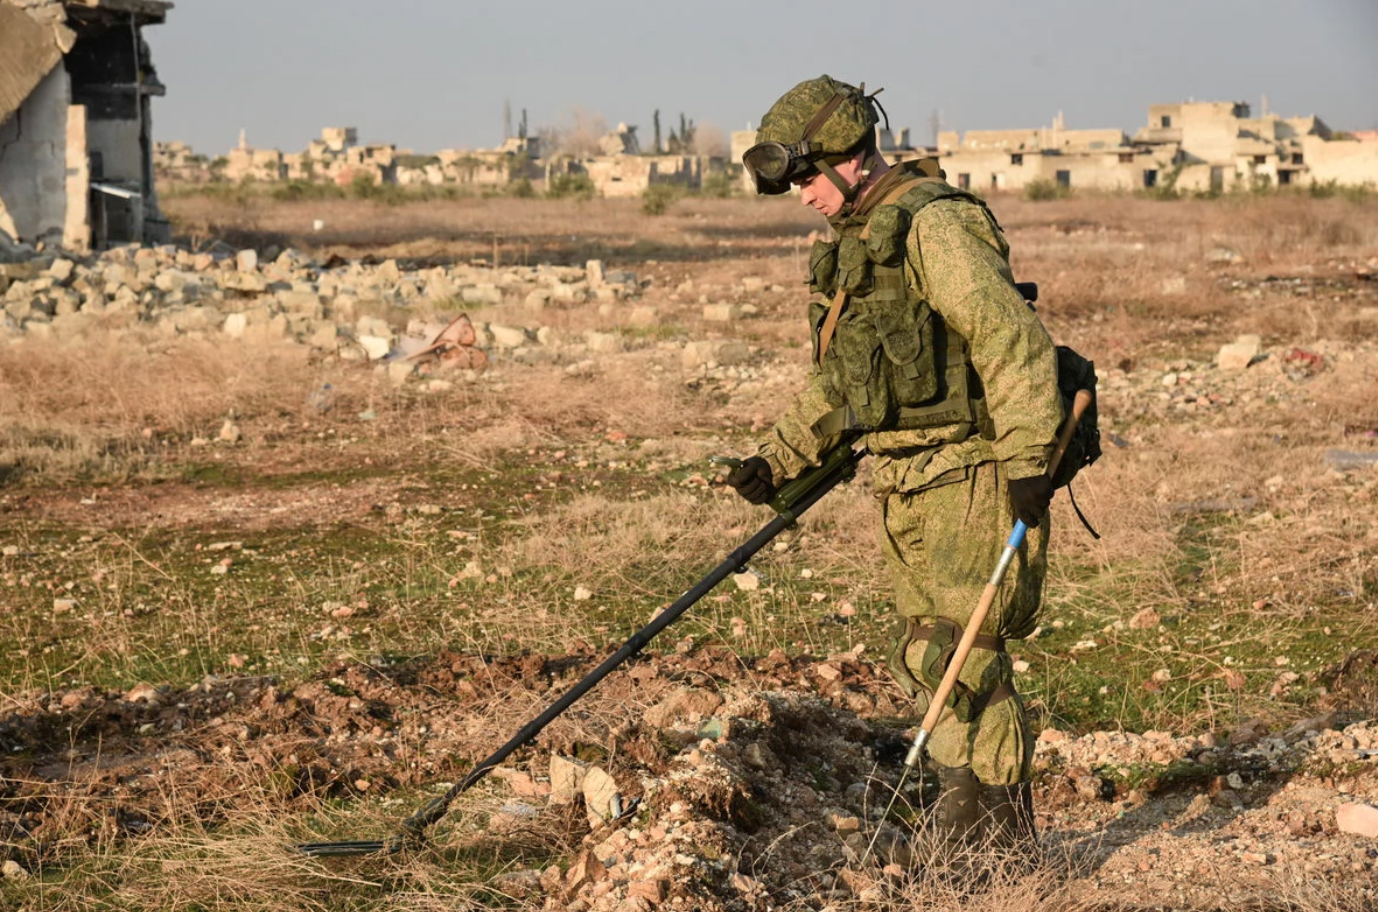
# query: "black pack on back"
1074,373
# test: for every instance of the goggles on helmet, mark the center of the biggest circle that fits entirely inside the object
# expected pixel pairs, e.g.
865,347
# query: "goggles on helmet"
773,165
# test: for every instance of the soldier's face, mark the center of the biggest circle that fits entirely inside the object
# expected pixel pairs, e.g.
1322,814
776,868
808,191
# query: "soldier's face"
821,194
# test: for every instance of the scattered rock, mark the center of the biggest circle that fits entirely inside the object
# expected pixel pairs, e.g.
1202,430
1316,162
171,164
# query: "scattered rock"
1239,354
600,794
566,778
1145,619
1357,819
143,693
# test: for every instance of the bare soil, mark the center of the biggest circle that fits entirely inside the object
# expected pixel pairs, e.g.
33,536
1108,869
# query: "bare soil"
754,777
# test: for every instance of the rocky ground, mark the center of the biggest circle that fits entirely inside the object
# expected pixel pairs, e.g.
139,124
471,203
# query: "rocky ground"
697,778
701,780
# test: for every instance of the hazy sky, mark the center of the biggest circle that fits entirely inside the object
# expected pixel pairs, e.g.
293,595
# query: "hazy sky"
434,74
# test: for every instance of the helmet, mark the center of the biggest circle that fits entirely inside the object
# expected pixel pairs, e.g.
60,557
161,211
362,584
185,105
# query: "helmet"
818,120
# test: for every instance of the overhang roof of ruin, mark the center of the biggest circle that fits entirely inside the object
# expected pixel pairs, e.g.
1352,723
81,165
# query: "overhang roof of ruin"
29,50
145,12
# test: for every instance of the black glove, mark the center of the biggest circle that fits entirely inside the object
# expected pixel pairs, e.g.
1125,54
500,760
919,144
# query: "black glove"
752,479
1030,498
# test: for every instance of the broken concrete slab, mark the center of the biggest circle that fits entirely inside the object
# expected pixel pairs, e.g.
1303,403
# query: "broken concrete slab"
566,778
709,352
601,798
1239,354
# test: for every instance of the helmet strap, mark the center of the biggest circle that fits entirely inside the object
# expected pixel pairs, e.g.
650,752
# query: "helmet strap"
849,192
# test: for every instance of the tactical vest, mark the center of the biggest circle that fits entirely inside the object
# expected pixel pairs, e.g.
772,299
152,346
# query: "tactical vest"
880,346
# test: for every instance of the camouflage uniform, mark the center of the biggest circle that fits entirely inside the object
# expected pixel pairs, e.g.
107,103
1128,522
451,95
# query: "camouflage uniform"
931,348
945,515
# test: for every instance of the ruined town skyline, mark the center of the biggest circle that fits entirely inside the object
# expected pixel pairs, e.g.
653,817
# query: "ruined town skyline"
433,76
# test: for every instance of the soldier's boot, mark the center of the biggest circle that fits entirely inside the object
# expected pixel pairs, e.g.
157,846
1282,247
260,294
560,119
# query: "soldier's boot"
1008,821
956,819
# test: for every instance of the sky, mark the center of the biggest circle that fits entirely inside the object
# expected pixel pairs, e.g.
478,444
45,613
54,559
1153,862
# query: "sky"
438,74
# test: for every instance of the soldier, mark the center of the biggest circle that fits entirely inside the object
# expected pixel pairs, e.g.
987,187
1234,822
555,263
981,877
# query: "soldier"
923,342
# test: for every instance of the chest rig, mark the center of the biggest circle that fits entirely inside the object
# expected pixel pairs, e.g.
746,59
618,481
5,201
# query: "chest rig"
880,346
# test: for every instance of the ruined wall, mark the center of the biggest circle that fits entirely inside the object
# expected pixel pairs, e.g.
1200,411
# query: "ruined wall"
1345,161
33,162
117,143
1209,131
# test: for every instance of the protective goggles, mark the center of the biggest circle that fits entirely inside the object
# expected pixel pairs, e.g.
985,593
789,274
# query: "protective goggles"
773,166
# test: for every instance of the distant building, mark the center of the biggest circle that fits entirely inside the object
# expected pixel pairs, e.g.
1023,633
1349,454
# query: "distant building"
76,136
1198,146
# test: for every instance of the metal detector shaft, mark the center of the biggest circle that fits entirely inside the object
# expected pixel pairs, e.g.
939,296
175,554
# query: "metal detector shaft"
834,471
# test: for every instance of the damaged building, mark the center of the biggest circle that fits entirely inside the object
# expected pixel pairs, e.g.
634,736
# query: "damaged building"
76,136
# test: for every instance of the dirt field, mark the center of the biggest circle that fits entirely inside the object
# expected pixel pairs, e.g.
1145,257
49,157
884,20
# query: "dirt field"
220,645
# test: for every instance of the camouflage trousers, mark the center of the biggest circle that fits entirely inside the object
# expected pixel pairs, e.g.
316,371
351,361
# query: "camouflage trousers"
942,543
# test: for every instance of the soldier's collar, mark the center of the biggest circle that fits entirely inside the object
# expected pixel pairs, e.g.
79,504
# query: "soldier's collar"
874,197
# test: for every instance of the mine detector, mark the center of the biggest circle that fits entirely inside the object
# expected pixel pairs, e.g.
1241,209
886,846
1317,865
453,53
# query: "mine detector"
790,502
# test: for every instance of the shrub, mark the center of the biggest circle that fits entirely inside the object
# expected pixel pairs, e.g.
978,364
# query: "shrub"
719,185
579,186
1041,190
658,198
521,189
300,190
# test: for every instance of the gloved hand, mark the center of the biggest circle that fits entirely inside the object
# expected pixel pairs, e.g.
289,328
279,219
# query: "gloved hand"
752,479
1030,498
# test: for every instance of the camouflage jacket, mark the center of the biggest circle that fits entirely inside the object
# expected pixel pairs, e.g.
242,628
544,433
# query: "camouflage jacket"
956,260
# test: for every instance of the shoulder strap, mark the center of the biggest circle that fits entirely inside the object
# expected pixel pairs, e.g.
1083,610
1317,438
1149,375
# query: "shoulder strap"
898,192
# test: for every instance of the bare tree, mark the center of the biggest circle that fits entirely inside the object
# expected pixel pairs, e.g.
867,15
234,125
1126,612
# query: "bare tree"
577,134
710,140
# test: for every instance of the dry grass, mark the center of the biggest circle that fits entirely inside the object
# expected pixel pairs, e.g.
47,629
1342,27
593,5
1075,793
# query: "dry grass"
547,481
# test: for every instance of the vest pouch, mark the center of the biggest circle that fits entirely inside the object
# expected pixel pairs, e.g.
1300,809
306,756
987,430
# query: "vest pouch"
853,267
886,235
823,267
906,338
852,368
818,312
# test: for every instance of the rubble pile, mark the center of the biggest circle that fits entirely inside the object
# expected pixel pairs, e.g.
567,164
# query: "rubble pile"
340,308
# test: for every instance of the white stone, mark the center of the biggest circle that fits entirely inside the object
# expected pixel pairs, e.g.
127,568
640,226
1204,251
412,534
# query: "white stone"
605,343
235,325
507,336
718,351
246,260
599,791
1358,819
722,313
594,270
747,581
566,778
1240,353
143,693
376,347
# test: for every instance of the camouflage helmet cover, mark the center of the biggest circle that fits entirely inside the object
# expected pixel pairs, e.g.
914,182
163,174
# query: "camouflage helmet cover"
852,120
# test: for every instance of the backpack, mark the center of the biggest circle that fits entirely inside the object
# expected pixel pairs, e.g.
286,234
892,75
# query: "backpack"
1074,373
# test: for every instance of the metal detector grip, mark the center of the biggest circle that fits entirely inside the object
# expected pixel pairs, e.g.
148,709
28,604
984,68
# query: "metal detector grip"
836,466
